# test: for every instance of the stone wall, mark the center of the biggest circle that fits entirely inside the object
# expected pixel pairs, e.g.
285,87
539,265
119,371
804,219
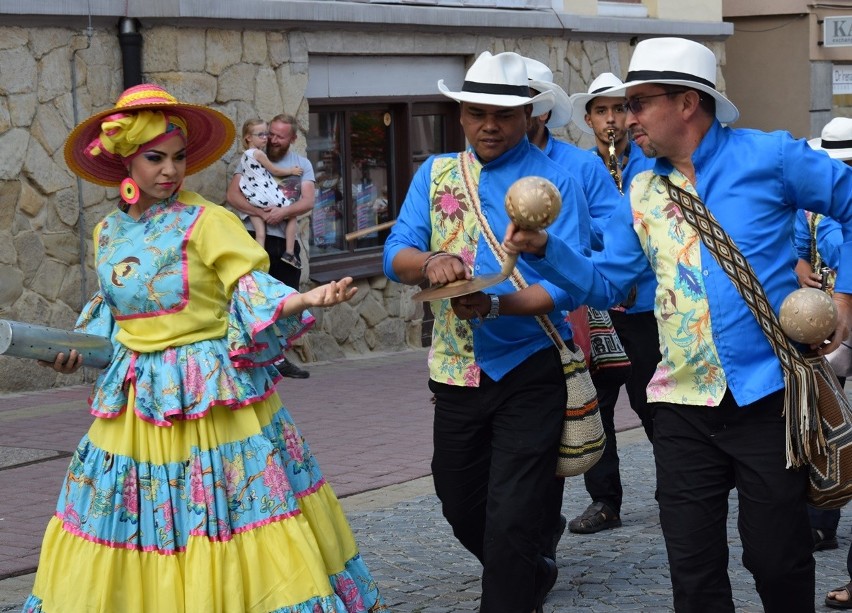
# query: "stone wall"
51,78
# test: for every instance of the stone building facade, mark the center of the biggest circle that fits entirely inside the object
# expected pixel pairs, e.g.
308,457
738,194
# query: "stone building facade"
56,70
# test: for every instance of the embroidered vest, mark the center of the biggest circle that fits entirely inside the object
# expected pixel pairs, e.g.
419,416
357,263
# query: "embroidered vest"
455,230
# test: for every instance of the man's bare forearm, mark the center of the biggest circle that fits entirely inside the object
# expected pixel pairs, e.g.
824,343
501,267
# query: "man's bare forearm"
236,199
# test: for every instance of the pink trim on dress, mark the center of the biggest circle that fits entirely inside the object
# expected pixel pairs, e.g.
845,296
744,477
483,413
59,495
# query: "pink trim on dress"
251,526
169,552
311,490
260,326
231,404
307,323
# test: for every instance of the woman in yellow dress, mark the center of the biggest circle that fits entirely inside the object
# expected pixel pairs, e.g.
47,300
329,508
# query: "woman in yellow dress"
193,491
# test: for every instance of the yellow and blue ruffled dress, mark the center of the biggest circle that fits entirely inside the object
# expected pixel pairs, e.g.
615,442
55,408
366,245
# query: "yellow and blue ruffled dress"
194,491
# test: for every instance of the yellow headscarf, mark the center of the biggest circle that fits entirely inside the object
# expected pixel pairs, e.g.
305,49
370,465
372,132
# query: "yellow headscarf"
122,134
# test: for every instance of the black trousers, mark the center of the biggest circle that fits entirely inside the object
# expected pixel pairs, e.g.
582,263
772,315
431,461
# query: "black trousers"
638,334
701,453
826,520
493,465
276,247
603,480
641,340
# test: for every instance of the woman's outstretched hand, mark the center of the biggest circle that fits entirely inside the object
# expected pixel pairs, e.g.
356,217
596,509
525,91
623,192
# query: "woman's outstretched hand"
330,294
63,365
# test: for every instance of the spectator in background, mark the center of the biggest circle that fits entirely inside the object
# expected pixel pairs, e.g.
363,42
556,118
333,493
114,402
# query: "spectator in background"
283,132
261,188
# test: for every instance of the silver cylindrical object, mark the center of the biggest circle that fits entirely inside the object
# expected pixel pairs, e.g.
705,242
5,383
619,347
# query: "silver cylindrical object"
43,343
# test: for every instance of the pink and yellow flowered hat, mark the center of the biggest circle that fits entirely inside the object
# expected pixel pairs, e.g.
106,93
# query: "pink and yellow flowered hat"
91,154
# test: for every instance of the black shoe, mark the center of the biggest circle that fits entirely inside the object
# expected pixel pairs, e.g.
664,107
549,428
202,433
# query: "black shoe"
557,536
823,539
545,579
288,369
598,516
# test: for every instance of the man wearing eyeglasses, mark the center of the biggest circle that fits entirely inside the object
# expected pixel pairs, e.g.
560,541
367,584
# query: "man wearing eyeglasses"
283,131
718,391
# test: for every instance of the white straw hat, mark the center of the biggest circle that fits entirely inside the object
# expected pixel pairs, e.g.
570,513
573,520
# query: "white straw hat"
836,139
678,61
541,79
598,88
499,80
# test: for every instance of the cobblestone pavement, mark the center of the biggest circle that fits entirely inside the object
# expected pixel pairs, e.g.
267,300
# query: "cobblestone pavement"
422,569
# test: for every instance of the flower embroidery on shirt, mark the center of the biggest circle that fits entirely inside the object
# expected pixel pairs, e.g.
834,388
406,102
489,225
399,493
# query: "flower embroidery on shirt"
450,203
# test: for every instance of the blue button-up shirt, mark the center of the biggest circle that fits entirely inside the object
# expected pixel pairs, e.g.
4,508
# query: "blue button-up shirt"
500,344
753,182
829,239
802,236
637,161
594,179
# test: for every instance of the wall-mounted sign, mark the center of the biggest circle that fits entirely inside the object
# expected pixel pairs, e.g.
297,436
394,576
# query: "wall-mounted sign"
841,79
837,31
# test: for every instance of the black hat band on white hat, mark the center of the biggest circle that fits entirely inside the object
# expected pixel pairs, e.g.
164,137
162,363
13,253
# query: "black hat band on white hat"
836,144
501,90
666,75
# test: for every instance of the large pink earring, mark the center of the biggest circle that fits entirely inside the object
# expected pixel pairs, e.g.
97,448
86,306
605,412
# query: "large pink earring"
129,191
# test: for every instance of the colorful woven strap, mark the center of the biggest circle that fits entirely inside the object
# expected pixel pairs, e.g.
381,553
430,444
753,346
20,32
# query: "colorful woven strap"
800,393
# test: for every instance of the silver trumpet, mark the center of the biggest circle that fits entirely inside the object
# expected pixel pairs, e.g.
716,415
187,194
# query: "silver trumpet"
22,340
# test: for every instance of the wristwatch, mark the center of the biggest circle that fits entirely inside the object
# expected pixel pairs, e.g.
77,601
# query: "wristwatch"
494,311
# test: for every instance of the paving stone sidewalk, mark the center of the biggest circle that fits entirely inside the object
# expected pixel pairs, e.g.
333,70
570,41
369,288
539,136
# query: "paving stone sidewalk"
422,569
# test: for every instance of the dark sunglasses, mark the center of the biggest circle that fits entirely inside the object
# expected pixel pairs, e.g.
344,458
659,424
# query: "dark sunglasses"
637,103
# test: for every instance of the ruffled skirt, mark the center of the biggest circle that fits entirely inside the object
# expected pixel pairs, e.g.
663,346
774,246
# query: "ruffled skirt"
225,513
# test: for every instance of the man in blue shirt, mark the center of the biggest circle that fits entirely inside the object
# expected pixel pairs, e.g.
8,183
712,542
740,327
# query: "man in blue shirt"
497,378
598,114
718,392
818,242
602,480
604,117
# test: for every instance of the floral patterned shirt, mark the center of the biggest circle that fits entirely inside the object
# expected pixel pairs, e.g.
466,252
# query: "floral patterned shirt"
690,371
456,230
